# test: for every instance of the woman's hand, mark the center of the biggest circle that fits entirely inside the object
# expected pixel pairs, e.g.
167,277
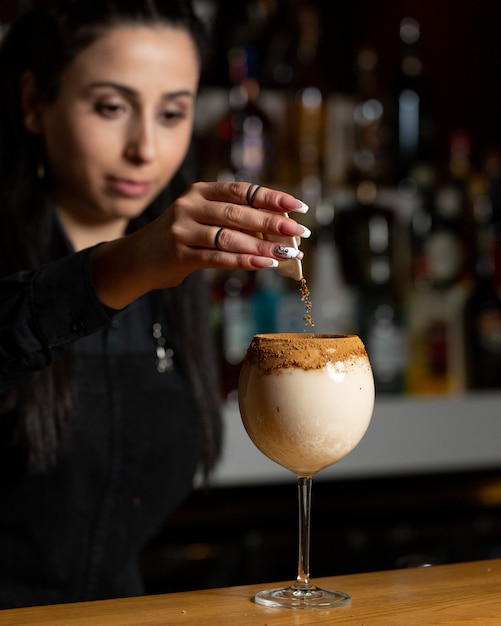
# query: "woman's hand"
212,225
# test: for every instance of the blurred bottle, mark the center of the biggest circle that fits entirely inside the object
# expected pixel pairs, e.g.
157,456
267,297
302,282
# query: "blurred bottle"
310,88
445,251
333,305
482,309
434,297
468,182
365,234
231,25
372,144
278,305
429,314
413,113
234,318
269,293
243,142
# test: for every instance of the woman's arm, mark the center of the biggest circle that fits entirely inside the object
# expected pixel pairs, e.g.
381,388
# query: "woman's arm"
183,239
43,311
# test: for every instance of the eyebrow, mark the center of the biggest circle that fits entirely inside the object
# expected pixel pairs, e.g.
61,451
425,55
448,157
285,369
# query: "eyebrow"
172,95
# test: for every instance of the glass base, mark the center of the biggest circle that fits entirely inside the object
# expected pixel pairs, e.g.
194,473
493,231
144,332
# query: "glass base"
302,598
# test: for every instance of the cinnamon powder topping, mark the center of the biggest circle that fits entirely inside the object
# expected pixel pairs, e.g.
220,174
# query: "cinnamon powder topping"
306,351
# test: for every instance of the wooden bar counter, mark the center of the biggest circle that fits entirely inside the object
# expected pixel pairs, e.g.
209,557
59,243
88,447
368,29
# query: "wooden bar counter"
466,593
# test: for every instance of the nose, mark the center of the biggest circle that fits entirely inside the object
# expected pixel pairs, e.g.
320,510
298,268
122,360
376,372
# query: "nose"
141,141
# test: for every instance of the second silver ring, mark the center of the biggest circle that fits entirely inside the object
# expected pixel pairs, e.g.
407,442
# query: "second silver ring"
251,194
216,238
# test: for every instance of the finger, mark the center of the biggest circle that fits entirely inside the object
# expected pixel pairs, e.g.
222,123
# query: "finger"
251,193
263,223
264,198
236,242
259,197
236,217
217,237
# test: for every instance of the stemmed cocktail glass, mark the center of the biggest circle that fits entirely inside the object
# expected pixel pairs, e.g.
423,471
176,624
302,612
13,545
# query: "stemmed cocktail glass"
306,401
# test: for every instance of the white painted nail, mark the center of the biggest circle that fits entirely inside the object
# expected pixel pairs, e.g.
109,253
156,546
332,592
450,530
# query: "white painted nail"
286,252
306,233
274,263
304,208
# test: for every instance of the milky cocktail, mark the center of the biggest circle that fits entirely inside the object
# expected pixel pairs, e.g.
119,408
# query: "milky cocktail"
306,401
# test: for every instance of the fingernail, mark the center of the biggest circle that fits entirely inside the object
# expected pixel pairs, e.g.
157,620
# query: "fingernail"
261,262
304,208
306,233
293,204
285,252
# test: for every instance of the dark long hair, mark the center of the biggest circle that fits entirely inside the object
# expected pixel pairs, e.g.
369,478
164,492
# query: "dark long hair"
45,41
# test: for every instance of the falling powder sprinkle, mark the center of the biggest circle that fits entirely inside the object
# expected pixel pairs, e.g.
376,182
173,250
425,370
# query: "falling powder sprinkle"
305,297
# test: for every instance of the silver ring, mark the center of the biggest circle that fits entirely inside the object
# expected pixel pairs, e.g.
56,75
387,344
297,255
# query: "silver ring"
250,196
216,238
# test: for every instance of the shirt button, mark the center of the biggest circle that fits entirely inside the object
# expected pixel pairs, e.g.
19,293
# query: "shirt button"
115,323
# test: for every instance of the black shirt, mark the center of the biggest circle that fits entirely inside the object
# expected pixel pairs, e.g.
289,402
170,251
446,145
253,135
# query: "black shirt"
74,532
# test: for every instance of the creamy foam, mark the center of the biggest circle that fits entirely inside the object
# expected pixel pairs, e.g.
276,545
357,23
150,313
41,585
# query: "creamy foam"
306,400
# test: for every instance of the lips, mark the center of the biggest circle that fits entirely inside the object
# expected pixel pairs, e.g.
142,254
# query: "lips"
128,187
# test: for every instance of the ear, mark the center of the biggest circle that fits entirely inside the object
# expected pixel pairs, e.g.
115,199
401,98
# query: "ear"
31,102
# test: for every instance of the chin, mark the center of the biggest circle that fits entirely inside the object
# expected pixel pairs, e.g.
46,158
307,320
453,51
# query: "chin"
128,209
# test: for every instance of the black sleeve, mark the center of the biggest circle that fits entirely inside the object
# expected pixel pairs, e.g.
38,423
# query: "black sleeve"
45,310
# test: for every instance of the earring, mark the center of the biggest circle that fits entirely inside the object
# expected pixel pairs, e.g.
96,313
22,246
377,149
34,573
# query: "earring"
40,169
32,123
29,122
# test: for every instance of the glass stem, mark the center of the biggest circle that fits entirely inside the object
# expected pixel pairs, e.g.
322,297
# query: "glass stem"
304,497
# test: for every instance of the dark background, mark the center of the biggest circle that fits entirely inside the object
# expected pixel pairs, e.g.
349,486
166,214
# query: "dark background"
460,48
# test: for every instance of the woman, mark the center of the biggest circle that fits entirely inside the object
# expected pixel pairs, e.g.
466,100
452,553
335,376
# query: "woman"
109,399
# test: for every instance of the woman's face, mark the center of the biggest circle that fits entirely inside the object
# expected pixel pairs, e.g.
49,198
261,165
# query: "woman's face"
121,124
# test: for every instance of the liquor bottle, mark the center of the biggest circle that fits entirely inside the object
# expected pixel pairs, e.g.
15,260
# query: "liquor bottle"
469,183
309,85
333,304
428,315
366,233
242,147
482,309
372,141
234,322
380,312
414,126
270,288
436,294
444,245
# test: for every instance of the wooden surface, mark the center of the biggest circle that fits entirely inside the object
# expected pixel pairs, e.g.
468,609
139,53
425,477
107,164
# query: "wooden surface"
468,593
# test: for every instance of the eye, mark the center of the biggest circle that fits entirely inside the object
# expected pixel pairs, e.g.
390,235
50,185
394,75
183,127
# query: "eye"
172,117
110,109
